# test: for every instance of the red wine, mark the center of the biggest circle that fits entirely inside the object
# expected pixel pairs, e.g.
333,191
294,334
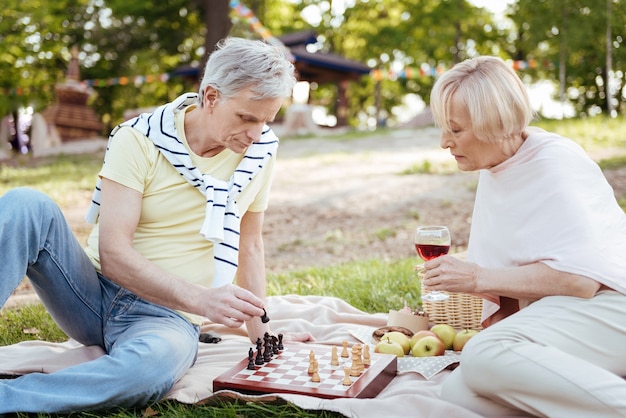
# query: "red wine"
429,251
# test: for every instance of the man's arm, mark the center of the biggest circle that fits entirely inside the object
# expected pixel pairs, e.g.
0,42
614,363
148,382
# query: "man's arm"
251,270
119,215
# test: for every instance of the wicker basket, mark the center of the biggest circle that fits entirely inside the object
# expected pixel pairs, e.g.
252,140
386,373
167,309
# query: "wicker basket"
460,310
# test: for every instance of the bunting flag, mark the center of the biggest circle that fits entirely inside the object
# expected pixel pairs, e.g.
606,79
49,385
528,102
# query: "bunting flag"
410,73
242,12
427,71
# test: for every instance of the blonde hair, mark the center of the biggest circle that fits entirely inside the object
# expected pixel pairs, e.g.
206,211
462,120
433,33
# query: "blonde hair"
494,96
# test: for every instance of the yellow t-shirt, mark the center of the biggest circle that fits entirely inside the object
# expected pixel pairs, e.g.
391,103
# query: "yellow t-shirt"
172,212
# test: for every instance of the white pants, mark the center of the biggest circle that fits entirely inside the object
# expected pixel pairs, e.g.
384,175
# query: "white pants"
559,357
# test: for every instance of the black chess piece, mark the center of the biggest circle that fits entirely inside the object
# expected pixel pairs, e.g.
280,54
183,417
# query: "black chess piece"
265,319
251,359
280,342
275,349
267,352
259,354
209,338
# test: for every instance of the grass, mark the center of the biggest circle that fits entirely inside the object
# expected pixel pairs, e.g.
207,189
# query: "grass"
370,285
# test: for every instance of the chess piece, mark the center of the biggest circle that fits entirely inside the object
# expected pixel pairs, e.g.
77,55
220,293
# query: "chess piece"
312,362
358,357
265,318
366,355
280,342
251,359
259,354
354,370
267,349
275,349
344,352
346,379
315,377
334,358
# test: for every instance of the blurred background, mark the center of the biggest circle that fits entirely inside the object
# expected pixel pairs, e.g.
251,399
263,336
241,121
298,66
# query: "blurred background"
72,69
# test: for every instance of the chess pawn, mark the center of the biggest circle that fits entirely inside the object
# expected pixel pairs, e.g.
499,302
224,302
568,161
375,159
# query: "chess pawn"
344,352
366,355
354,370
312,364
334,358
346,379
315,377
280,342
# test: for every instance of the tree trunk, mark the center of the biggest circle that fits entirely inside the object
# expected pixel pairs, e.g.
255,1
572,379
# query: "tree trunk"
217,23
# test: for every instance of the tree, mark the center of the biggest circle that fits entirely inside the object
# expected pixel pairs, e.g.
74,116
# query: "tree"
396,34
569,40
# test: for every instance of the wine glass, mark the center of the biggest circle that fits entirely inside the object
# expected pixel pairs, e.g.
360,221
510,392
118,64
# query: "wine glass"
432,242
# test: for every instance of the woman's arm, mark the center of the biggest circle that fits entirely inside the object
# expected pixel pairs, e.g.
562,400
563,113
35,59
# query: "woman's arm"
529,282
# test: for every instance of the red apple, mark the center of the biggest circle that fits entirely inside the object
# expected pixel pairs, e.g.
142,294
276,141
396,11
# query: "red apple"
446,334
428,346
421,334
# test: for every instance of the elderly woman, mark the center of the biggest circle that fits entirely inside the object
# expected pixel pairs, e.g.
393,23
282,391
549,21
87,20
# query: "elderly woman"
547,253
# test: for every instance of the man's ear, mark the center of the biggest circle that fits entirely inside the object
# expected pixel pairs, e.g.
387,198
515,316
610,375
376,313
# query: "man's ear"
210,96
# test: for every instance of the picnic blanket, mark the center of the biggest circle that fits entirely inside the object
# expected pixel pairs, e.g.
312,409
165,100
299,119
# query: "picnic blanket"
330,320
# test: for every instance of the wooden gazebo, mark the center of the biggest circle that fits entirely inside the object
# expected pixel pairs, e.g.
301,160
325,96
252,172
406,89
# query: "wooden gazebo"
322,68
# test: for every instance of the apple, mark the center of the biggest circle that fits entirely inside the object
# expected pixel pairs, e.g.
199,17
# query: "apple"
462,337
446,334
428,346
386,346
400,338
421,334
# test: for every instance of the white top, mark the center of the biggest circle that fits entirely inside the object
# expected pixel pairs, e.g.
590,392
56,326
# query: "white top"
551,203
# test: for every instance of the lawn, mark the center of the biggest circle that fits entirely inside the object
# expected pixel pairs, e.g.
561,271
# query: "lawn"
370,285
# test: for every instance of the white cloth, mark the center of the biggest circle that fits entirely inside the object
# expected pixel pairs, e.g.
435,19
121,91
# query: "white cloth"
329,319
222,220
551,203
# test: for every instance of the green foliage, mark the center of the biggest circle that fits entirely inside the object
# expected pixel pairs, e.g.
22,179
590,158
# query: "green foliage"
370,285
591,133
570,36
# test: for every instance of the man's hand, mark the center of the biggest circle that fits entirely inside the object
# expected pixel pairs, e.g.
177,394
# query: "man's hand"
231,305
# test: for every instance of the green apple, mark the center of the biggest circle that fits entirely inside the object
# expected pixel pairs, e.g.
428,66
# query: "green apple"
428,346
421,334
399,338
462,337
386,346
446,334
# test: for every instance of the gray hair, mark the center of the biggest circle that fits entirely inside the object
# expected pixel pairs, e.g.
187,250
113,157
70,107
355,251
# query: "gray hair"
238,64
494,95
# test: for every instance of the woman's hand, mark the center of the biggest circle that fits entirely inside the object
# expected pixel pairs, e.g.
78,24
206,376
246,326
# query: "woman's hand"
450,274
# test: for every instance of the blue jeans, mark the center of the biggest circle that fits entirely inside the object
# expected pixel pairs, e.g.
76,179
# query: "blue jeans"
148,347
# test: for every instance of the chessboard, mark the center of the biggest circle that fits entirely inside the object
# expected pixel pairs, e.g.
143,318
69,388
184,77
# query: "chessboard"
289,371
